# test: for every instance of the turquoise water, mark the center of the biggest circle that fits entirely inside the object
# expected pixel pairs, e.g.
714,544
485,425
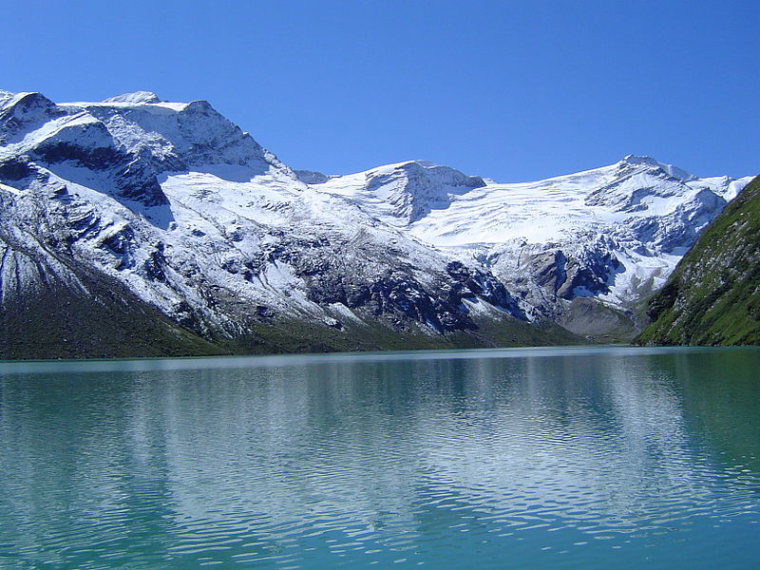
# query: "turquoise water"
529,458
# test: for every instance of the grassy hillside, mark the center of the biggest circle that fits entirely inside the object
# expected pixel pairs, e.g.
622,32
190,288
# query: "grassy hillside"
713,296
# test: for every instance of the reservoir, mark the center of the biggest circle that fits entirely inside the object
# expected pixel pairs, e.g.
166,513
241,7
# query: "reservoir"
582,457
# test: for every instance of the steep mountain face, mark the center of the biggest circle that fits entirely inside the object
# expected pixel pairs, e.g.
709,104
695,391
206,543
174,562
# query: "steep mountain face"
713,296
172,214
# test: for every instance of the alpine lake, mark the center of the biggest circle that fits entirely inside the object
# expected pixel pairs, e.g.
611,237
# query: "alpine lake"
583,457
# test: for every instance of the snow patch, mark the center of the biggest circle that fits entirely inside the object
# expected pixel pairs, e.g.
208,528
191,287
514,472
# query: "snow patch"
136,98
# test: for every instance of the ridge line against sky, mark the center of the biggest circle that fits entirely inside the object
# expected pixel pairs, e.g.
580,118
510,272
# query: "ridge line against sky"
509,90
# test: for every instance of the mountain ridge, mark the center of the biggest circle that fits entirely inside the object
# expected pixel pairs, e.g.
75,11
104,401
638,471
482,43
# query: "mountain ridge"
200,223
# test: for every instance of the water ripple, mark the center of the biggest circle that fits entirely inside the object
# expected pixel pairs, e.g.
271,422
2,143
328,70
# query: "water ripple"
566,461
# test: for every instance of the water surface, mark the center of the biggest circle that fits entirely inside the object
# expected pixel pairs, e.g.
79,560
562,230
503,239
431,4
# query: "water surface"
541,458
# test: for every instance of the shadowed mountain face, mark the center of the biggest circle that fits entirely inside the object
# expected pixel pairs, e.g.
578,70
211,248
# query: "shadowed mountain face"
713,296
141,219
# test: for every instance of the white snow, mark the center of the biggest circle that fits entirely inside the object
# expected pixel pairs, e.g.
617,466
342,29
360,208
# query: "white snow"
136,98
11,189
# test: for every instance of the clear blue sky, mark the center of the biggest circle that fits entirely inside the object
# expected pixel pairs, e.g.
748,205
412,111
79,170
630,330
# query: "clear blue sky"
512,90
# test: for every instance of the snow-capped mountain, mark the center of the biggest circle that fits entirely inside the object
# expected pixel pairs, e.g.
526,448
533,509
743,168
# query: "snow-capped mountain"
612,234
181,211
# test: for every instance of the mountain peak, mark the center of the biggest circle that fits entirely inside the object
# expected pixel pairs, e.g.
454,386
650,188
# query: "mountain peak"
650,162
135,98
23,100
424,168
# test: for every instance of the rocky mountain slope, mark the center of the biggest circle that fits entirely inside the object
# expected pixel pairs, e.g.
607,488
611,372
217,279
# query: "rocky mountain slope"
713,296
137,226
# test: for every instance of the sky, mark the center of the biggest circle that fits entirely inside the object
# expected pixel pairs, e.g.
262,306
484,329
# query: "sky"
509,90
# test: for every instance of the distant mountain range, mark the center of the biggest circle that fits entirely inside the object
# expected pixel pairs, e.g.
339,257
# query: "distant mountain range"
134,226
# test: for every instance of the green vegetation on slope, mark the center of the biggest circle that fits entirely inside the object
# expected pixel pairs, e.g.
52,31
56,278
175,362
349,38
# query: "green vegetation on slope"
291,336
713,296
